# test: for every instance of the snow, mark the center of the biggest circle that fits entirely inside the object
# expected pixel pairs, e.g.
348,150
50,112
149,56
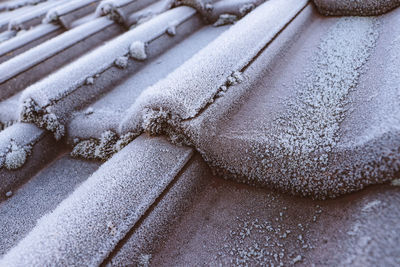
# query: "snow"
116,195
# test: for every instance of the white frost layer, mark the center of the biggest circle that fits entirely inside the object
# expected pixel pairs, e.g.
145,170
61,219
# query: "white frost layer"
108,110
39,11
188,89
49,48
292,141
40,195
148,12
235,8
70,6
11,5
64,81
157,225
27,37
110,7
16,143
86,226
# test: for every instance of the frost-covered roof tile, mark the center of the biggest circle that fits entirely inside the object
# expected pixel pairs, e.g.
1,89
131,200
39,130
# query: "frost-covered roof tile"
280,99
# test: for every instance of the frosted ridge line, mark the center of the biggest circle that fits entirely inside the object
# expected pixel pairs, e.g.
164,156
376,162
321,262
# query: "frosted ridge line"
188,89
86,226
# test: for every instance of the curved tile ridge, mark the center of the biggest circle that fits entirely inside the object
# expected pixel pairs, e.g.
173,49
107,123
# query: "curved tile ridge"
195,84
221,12
24,62
39,101
54,14
297,144
33,17
24,149
145,238
355,8
119,10
12,5
6,17
299,149
288,138
87,226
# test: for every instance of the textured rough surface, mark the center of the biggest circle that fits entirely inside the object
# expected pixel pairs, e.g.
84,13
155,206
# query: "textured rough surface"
172,99
312,142
63,91
158,224
238,225
16,156
108,111
86,226
284,98
221,12
42,194
293,133
355,7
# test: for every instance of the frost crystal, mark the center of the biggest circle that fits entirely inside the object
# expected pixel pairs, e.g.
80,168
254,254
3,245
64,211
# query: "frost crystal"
106,148
85,149
15,157
297,259
31,112
246,8
89,111
396,182
171,30
89,81
121,62
225,19
102,149
137,50
144,260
